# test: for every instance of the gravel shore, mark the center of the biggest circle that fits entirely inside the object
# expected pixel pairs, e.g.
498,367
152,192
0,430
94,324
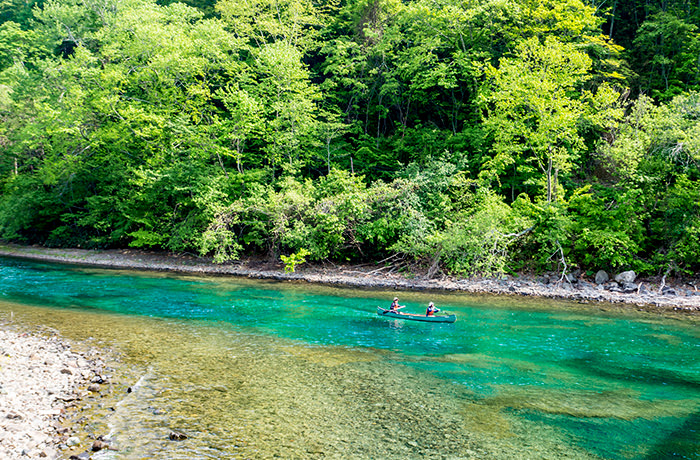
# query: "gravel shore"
659,295
41,381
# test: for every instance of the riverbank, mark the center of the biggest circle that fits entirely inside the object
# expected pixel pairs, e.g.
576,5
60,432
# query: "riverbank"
661,295
44,383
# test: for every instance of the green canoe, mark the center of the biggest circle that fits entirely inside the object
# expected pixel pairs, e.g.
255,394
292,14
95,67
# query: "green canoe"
430,319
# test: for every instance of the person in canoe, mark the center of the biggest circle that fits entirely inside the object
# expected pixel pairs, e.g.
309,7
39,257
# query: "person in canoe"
431,310
395,307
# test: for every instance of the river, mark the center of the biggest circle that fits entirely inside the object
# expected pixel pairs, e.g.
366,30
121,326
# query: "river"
259,369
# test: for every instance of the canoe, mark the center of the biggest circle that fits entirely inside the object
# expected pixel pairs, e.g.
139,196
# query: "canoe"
430,319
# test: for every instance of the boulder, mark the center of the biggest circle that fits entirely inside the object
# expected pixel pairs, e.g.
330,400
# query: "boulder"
626,277
668,291
629,288
601,277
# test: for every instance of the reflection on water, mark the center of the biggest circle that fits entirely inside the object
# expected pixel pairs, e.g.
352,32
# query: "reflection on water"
253,369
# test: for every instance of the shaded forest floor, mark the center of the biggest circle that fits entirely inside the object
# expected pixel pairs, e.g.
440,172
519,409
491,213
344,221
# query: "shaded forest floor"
682,297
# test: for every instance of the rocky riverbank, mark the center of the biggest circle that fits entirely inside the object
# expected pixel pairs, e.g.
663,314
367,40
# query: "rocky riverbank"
623,288
43,384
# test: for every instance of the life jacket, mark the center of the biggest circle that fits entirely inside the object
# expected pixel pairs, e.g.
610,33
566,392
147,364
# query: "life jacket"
430,311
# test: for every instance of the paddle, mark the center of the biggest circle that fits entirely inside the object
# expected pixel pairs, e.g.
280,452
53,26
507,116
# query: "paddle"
396,311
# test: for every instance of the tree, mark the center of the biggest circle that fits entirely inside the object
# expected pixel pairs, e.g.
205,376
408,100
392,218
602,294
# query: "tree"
533,104
666,50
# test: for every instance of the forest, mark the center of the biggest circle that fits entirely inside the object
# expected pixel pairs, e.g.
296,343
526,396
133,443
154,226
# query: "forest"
470,137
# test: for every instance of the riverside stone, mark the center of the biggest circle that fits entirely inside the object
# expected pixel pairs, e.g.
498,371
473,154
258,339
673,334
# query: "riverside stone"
73,441
626,277
601,277
94,388
36,391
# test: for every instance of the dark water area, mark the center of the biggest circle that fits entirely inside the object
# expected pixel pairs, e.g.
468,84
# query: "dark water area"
257,369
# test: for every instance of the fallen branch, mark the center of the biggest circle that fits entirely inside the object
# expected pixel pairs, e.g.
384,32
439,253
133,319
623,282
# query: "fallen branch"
436,263
562,260
663,278
379,269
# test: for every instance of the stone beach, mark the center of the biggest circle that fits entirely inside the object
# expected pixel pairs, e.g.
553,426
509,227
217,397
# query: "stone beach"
42,381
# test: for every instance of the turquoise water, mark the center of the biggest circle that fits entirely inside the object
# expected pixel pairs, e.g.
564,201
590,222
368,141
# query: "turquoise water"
316,373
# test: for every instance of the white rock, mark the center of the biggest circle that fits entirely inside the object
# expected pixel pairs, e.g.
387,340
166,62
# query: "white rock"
626,277
73,441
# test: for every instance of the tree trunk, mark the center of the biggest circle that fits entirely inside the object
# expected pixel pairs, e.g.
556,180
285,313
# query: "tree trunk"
612,19
549,176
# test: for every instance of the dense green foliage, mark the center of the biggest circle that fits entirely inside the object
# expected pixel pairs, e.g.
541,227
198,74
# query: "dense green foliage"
475,137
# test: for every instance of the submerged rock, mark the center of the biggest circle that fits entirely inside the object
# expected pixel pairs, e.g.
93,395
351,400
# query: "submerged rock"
99,444
177,436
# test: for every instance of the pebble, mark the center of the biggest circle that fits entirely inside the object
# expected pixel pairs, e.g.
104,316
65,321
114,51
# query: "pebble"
37,381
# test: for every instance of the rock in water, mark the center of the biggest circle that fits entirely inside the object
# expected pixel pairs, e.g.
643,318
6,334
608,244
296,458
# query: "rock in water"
99,445
82,456
177,436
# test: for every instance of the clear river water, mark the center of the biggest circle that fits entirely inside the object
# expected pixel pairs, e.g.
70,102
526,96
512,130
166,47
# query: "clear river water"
259,369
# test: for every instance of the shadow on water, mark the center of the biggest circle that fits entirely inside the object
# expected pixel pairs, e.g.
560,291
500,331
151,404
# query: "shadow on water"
626,373
683,442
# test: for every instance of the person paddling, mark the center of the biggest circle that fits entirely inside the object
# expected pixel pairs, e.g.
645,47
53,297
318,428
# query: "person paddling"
395,307
431,310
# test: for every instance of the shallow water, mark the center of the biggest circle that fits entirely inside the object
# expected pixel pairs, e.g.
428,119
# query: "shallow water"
255,369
